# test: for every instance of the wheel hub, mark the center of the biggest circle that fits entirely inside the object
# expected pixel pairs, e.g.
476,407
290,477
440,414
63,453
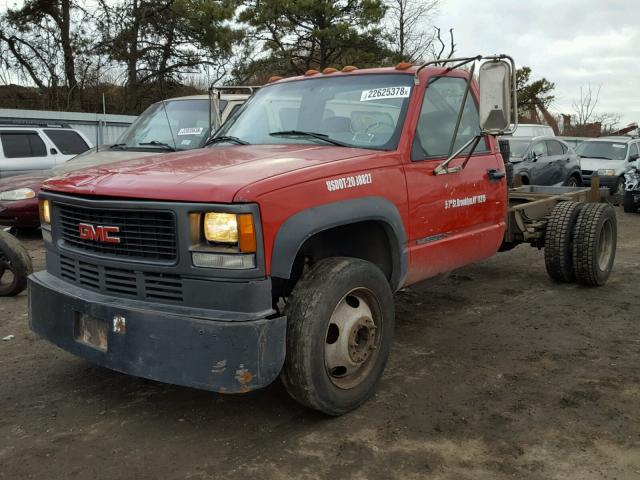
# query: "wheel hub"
361,340
352,339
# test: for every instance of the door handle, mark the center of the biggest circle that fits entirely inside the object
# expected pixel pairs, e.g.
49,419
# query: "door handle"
495,174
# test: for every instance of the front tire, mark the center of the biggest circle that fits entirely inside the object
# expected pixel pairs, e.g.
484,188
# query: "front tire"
340,320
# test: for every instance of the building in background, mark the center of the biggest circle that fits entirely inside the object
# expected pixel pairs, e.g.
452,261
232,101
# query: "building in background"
100,129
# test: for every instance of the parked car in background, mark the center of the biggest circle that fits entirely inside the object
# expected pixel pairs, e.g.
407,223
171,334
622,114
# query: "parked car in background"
573,142
533,130
544,161
29,148
172,125
609,158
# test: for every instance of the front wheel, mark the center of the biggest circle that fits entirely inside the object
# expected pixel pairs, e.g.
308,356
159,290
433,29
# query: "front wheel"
572,182
340,319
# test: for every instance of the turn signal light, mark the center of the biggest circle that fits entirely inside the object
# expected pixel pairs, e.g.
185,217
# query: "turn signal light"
45,211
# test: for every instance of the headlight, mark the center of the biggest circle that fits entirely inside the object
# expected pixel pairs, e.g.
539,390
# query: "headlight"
607,173
230,229
19,194
45,212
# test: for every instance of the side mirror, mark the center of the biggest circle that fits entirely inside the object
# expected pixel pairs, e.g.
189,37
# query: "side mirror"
633,157
495,79
53,151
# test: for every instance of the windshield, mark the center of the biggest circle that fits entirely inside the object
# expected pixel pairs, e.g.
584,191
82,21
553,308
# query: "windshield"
603,150
518,148
364,111
189,121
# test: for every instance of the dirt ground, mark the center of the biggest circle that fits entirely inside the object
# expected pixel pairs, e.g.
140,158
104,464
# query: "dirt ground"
495,373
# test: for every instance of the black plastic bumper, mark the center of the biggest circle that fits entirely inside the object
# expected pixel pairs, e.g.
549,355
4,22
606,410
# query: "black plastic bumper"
202,352
605,181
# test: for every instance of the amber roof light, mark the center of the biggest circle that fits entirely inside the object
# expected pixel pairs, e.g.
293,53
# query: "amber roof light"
310,72
349,68
274,78
404,65
329,70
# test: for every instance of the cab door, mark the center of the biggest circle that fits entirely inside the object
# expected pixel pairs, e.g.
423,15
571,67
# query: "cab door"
454,218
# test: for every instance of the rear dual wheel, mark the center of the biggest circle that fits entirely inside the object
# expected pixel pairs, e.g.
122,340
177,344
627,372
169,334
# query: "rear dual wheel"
580,242
340,319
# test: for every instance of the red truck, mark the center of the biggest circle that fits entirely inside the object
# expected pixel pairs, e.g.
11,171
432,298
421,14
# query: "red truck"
277,251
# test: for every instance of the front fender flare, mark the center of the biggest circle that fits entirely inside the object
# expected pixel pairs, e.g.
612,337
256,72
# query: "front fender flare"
298,228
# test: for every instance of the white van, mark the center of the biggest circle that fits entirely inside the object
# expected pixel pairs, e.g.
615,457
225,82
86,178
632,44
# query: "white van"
28,148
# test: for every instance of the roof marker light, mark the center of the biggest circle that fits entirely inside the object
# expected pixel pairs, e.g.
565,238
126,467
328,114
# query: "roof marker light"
349,68
274,78
310,72
329,70
404,65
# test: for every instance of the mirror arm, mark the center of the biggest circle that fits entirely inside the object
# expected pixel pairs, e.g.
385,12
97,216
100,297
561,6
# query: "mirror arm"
443,168
461,110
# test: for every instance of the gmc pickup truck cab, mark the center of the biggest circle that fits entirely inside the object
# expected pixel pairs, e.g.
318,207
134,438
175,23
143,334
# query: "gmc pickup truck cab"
276,251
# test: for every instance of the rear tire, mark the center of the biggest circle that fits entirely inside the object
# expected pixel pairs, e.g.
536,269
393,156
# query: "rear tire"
629,203
15,265
558,241
594,243
340,319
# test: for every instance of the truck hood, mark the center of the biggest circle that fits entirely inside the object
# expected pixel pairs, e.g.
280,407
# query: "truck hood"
92,158
88,159
204,175
594,164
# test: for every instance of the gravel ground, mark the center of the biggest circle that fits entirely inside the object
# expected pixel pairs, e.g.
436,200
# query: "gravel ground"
495,373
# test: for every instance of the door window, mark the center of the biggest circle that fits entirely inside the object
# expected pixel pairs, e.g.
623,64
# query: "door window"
634,149
67,142
539,149
554,148
22,144
438,117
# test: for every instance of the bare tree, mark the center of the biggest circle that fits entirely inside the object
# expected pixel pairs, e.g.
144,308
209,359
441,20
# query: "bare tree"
585,107
410,27
439,50
586,119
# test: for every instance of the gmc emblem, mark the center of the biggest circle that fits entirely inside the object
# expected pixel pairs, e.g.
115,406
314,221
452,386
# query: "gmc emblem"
98,233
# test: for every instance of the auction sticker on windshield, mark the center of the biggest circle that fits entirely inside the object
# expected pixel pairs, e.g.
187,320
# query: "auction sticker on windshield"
386,92
190,131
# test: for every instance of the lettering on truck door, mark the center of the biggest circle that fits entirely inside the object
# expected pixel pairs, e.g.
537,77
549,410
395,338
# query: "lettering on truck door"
455,218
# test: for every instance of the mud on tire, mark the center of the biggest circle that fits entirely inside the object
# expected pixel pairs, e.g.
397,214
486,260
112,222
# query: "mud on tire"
594,243
340,320
15,265
558,242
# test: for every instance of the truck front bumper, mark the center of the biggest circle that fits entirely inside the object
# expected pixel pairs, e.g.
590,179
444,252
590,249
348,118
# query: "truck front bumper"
138,338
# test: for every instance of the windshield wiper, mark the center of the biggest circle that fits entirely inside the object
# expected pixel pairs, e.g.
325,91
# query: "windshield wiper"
156,143
591,156
118,146
226,138
319,136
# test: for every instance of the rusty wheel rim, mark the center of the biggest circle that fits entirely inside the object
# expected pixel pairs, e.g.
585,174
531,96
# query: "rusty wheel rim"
352,338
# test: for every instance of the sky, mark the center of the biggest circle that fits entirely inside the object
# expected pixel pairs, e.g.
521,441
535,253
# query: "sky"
570,42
